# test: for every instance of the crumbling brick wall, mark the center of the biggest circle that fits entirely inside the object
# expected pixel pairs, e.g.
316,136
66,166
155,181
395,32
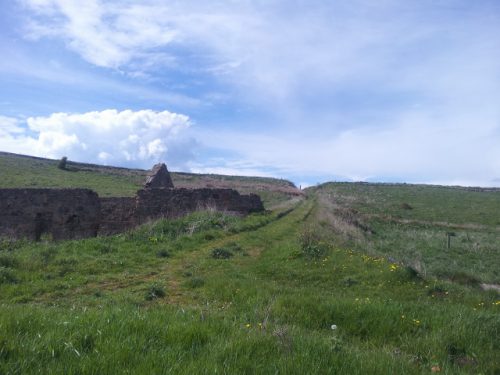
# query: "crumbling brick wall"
117,215
60,213
121,214
172,203
80,213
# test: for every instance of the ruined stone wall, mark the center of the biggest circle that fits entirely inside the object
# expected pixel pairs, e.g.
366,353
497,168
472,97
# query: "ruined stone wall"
60,213
117,215
172,203
80,213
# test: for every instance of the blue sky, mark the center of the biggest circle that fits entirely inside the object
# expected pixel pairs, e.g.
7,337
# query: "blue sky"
310,91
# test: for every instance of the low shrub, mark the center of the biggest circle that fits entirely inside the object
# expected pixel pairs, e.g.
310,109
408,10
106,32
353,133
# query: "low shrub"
8,261
195,282
311,245
221,253
412,273
233,246
163,253
460,277
348,281
437,291
7,276
85,343
48,254
209,236
155,291
105,249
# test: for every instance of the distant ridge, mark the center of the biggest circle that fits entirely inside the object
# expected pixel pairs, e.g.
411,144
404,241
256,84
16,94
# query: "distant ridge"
467,188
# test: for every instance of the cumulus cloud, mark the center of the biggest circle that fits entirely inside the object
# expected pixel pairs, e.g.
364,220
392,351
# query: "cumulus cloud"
136,138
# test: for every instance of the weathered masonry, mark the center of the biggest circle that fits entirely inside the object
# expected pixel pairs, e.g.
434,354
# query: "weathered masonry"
80,213
61,213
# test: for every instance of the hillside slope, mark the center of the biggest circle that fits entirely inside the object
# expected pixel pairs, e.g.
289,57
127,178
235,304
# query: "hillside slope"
27,171
412,224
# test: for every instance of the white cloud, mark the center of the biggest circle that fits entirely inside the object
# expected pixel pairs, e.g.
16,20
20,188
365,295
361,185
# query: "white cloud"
13,136
105,34
139,138
10,125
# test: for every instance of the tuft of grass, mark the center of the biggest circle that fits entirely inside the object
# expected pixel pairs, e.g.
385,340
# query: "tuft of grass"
412,272
85,343
104,248
8,261
195,282
437,291
48,254
460,277
155,291
349,281
7,276
311,245
221,253
163,253
233,247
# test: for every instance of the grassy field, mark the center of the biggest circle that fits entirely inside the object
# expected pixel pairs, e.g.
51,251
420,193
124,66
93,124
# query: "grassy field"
410,223
437,204
25,171
333,284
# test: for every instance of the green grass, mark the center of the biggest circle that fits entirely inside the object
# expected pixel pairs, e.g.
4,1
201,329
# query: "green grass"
429,203
34,173
473,252
85,306
417,236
